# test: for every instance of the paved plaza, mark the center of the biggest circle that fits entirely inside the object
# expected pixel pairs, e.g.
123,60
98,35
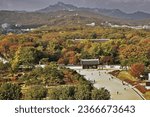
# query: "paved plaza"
101,78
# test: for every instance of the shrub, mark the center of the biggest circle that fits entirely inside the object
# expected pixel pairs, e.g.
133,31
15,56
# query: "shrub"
62,93
3,66
9,91
36,93
83,92
100,94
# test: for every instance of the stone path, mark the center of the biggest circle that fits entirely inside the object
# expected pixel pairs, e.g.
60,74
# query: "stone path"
103,79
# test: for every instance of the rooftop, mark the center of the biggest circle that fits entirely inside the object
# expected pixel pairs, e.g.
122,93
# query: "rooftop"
89,61
93,40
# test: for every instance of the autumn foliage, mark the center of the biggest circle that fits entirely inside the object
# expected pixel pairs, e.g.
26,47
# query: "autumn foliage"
58,44
137,69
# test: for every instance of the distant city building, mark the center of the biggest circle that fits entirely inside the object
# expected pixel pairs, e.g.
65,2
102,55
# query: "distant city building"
17,25
5,26
92,24
106,23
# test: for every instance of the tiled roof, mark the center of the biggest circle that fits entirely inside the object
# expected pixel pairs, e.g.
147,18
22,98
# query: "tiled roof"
89,61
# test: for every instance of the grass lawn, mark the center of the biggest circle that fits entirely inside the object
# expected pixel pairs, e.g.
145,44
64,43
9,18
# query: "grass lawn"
124,75
147,95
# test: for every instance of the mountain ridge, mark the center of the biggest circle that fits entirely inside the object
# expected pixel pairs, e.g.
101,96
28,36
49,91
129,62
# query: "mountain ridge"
60,6
66,14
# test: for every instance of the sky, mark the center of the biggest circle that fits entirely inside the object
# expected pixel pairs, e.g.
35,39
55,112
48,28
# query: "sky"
128,6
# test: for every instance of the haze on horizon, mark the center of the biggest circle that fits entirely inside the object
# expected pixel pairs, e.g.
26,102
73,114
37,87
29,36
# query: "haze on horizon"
32,5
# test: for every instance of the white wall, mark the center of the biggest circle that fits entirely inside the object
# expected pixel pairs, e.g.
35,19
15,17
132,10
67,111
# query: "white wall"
149,76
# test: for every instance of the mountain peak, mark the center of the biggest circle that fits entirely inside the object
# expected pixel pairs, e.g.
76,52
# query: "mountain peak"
59,6
60,3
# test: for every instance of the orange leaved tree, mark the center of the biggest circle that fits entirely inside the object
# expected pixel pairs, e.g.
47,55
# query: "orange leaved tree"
137,69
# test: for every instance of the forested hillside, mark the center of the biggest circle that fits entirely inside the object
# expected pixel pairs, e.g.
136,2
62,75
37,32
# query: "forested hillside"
58,44
63,18
55,46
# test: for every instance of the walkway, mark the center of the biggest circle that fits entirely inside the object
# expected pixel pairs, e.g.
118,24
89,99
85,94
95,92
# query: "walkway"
103,79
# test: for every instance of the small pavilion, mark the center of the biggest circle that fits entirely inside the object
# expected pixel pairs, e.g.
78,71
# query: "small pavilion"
90,63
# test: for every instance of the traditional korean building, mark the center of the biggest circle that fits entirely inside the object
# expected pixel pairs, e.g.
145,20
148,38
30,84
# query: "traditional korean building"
90,63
